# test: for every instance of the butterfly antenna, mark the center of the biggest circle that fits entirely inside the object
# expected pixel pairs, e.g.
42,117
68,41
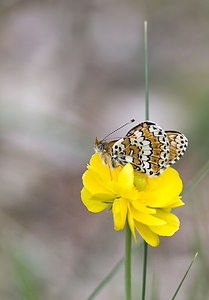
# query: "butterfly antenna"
131,121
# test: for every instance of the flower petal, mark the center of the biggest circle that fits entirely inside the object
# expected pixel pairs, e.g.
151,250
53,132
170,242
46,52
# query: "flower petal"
123,192
176,203
94,182
126,176
163,190
150,237
105,197
92,204
131,223
171,226
97,164
119,210
143,208
147,219
124,187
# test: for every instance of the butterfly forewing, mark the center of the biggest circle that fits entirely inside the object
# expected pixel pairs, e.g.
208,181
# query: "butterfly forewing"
145,146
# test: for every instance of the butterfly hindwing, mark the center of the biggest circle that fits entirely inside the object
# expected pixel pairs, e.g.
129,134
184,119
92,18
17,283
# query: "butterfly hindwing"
178,144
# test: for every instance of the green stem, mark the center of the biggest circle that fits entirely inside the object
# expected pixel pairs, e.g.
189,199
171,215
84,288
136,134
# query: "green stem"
144,271
146,72
147,118
127,262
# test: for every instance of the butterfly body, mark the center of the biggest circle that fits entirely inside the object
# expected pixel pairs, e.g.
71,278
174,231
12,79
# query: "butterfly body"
146,146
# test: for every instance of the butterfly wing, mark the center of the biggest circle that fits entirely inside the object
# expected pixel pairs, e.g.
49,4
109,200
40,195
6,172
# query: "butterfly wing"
178,144
145,146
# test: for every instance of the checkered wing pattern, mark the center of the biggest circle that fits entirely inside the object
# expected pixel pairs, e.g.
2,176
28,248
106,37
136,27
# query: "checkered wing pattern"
146,146
178,145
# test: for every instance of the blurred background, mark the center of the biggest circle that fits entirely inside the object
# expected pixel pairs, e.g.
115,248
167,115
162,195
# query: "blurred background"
71,71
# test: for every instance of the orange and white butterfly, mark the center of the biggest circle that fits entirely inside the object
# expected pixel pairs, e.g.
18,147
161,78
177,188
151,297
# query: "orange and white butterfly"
146,146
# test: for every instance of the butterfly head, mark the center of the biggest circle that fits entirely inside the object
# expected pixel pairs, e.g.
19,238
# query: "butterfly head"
104,149
99,146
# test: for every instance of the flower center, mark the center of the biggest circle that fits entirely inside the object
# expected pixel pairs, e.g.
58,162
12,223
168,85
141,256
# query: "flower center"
140,182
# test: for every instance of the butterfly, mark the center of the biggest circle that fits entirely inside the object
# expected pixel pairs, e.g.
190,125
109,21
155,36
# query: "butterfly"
146,146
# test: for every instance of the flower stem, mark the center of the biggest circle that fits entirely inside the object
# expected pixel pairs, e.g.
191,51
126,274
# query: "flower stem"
144,271
127,262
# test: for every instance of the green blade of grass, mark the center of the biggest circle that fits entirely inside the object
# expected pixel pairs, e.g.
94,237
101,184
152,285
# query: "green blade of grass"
146,69
25,279
145,255
199,176
185,275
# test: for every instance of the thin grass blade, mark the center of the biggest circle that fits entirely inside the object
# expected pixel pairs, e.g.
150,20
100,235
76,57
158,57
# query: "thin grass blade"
184,277
25,279
199,176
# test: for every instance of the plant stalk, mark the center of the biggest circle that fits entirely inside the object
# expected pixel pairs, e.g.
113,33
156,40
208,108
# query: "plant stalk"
144,275
127,262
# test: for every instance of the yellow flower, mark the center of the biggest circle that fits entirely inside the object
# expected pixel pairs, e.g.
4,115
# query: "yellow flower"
146,202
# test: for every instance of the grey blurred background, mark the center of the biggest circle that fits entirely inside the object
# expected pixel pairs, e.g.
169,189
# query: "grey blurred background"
71,71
